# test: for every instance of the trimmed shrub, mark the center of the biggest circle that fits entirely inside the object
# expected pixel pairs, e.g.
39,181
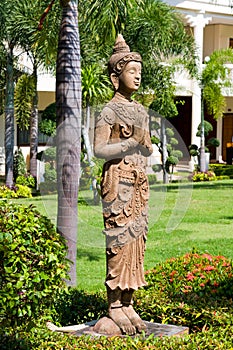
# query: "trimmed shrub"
152,178
222,169
33,264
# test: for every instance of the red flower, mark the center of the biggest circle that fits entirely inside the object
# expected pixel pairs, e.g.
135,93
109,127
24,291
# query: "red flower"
202,284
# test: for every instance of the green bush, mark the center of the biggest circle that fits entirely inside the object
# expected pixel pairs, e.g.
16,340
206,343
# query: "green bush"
42,339
195,290
32,264
18,191
78,306
222,169
26,180
50,174
223,177
49,155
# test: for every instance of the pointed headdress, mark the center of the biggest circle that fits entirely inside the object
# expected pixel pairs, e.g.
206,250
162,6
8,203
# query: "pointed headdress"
121,55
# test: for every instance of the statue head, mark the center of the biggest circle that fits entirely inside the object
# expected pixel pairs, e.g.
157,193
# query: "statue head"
121,56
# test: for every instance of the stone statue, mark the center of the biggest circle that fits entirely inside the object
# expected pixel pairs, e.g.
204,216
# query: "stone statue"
122,139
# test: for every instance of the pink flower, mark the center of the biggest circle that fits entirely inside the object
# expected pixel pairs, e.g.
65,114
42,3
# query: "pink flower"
209,268
190,276
202,284
207,256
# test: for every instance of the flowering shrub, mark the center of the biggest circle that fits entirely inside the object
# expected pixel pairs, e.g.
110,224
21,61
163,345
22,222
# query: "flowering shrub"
18,191
198,176
195,290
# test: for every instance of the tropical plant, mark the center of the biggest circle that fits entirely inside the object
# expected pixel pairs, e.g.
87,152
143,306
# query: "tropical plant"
215,76
23,99
40,47
111,14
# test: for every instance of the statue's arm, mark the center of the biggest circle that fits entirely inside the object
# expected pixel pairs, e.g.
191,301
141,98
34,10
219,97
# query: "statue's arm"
103,148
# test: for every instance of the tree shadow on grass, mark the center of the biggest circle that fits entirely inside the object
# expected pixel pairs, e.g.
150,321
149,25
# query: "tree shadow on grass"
87,253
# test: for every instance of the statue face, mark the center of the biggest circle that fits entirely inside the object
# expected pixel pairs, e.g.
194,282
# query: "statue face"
130,78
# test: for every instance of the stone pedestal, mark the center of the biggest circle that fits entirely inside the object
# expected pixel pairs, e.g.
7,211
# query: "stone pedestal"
106,327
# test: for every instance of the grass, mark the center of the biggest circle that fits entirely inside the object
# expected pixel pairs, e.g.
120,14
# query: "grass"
182,217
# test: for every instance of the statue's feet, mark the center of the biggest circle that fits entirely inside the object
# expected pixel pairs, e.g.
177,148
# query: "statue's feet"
121,319
134,318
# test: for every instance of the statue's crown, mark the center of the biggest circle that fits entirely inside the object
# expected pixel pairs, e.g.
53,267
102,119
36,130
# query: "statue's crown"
121,55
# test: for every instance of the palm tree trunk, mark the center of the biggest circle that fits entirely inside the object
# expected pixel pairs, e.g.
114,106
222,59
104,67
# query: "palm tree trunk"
9,119
34,128
68,104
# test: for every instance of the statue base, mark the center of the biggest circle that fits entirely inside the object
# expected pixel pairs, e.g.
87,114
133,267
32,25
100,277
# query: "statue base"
106,327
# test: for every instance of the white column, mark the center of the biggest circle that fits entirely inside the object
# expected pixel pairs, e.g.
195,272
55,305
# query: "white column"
219,136
198,23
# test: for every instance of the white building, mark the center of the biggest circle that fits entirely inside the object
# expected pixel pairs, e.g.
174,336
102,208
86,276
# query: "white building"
211,22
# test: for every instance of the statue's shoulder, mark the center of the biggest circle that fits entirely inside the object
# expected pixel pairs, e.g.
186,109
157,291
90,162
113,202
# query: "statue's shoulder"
107,115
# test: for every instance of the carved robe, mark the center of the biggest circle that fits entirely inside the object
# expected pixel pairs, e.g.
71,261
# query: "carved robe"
122,138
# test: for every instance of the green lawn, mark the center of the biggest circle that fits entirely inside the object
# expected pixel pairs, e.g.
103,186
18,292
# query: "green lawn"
182,217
